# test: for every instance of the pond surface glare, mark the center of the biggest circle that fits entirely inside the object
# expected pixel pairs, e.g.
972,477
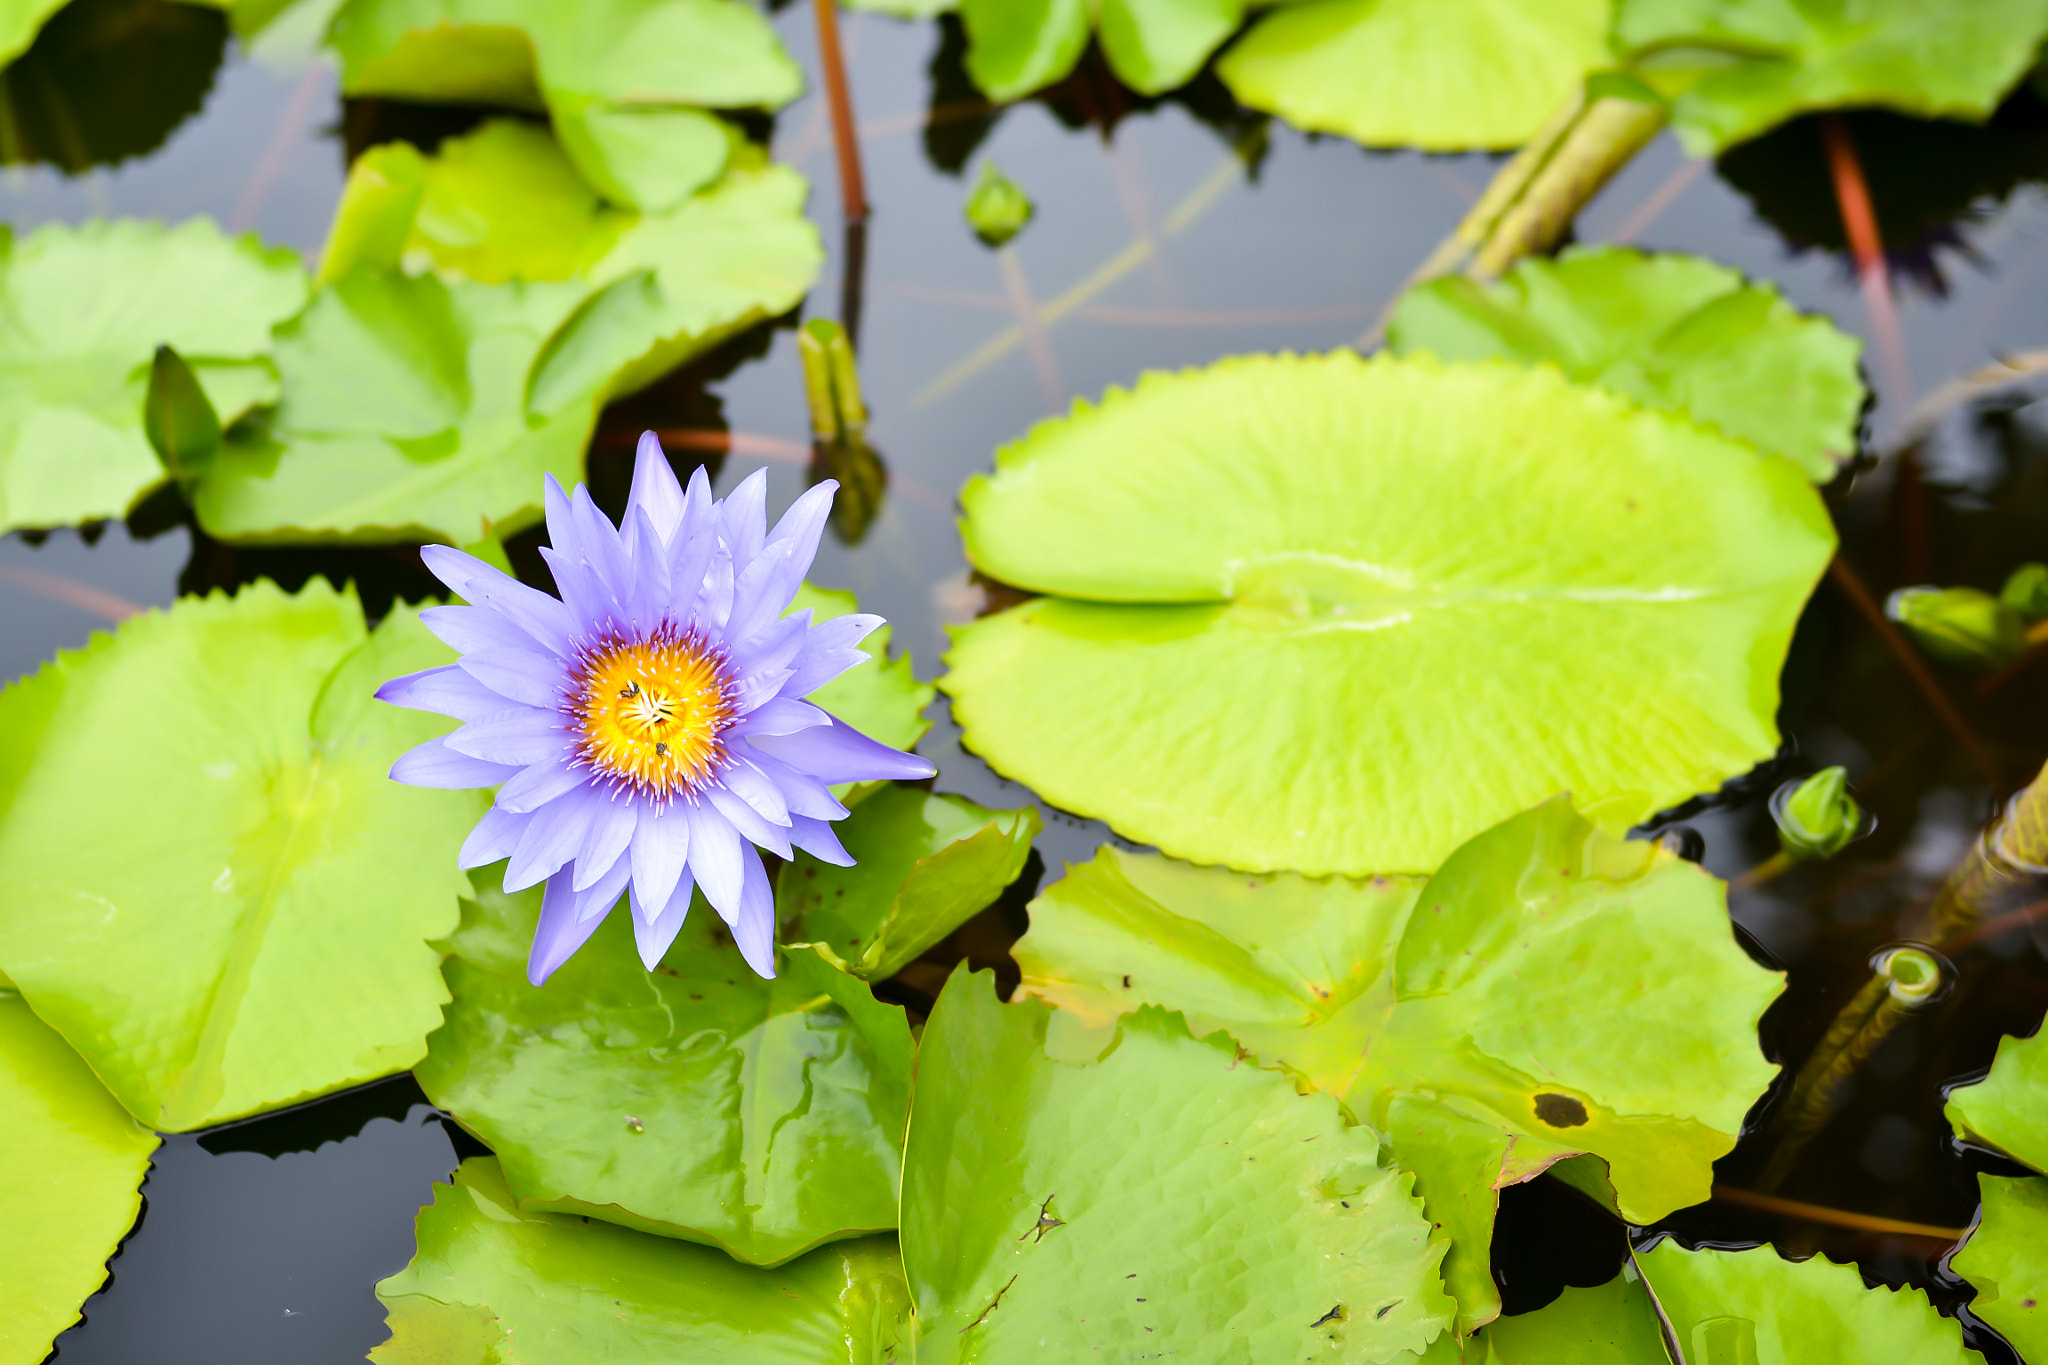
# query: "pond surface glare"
1168,236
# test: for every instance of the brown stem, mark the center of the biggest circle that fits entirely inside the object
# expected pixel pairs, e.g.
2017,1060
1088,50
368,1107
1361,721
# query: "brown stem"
1992,928
1859,220
853,192
1841,1218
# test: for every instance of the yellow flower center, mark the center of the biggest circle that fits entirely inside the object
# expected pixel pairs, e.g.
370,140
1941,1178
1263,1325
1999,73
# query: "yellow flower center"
651,710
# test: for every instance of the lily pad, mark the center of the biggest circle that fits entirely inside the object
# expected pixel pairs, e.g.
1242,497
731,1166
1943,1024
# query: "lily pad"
625,81
695,1101
1550,991
82,311
1018,46
1145,1194
1309,657
1443,75
2008,1109
20,21
922,866
1735,70
261,937
2006,1259
1668,331
1610,1324
69,1190
569,1291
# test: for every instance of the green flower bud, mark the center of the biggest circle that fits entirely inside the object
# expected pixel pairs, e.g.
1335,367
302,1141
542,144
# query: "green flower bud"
1960,625
1817,818
998,209
2026,592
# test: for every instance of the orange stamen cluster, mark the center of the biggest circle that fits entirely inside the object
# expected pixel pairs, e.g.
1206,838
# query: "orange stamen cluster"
650,710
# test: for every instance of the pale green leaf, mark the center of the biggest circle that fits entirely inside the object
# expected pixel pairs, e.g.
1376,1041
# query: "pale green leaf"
2008,1109
1143,1193
647,157
1443,75
68,1187
905,9
1667,331
257,934
1281,640
82,311
2006,1260
695,1101
1158,45
490,1277
1549,991
923,865
1737,68
1611,1324
20,21
1017,46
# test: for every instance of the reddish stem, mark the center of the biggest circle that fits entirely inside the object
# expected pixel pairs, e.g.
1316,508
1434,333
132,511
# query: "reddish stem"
1859,219
853,191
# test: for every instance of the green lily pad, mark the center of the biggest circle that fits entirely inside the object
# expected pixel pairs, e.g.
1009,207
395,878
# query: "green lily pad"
923,865
624,80
262,936
1668,331
1610,1324
69,1190
1550,991
1144,1194
905,9
82,311
489,1274
881,698
1744,1306
695,1101
20,21
1018,46
2008,1109
2006,1259
1310,657
1443,75
1735,70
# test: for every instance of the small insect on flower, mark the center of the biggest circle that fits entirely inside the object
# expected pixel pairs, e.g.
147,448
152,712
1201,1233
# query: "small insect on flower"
648,726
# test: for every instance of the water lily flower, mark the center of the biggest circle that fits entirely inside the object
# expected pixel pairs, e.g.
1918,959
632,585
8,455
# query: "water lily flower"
648,725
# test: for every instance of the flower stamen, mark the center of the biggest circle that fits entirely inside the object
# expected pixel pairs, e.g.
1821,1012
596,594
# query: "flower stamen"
649,710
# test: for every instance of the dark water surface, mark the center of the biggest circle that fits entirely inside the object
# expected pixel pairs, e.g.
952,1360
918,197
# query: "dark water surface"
1184,232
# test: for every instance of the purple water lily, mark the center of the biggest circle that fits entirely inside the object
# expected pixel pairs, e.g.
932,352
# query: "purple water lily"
648,725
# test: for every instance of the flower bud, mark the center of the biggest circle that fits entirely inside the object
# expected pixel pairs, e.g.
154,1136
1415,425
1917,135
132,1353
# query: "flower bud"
998,209
1960,625
1817,818
2026,592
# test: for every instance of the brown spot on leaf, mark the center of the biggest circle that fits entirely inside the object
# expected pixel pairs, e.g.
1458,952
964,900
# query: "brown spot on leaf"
1560,1111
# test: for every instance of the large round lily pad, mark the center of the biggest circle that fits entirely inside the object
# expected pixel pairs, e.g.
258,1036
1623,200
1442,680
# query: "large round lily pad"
1144,1194
1550,991
2006,1261
82,311
68,1187
258,933
2008,1109
492,1282
1668,331
1339,615
1444,75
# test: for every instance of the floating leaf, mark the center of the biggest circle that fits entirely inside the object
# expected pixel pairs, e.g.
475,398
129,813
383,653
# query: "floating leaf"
2008,1109
1549,991
923,865
1610,1324
258,934
2006,1259
1151,1196
1443,75
68,1188
905,9
1736,70
1348,613
1668,331
623,79
1018,46
568,1291
20,21
82,312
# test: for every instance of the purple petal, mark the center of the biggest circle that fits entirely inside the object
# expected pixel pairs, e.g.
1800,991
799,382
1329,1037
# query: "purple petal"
523,735
466,628
758,688
551,839
559,933
753,786
762,593
804,523
840,753
661,849
434,764
602,549
611,830
715,859
648,600
655,492
745,819
820,840
453,567
521,675
542,618
578,583
534,787
494,837
743,518
773,649
804,794
652,934
601,896
776,716
446,690
829,651
753,928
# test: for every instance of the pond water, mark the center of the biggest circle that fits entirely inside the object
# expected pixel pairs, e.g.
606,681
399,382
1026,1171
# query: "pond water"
1165,236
